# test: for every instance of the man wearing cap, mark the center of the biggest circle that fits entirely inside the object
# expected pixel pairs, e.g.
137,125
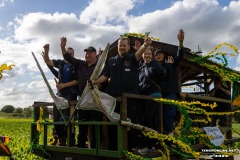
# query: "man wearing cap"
85,70
171,87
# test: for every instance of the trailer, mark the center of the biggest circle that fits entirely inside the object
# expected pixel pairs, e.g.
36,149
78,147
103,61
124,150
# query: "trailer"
190,73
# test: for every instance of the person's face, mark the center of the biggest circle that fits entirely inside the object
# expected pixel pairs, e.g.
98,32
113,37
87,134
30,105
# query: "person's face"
90,56
217,84
147,56
71,52
159,57
123,47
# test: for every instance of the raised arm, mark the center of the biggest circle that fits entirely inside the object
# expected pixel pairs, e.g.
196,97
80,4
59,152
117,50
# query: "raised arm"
180,38
45,55
180,51
53,70
73,61
63,45
142,49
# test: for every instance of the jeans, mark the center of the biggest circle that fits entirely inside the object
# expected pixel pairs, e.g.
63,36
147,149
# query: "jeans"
169,114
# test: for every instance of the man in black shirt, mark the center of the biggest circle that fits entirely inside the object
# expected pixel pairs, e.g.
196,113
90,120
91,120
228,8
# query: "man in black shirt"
85,69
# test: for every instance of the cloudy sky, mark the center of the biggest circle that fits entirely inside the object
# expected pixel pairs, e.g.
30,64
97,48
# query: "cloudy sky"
26,25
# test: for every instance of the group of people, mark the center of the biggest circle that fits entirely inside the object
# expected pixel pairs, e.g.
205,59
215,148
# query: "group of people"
147,71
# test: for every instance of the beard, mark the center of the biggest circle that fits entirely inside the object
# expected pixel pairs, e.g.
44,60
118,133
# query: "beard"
122,53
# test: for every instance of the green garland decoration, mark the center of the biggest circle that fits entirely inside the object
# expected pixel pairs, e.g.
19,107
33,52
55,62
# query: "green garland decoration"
139,35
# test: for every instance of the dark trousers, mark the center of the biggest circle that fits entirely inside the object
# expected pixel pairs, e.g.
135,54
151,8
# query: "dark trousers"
61,130
87,115
149,114
223,119
132,134
169,114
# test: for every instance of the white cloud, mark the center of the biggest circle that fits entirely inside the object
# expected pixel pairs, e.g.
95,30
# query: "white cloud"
3,2
102,12
36,29
205,23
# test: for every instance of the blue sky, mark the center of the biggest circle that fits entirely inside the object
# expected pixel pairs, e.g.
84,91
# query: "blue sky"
26,25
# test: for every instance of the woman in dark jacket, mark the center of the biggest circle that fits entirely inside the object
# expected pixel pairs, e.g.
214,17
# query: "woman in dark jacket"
151,73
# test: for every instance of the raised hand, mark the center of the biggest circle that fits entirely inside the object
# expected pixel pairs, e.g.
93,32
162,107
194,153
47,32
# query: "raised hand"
170,59
180,37
147,41
46,50
63,42
63,45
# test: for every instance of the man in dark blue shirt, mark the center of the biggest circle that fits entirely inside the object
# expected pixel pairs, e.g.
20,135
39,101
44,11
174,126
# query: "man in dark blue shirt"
122,72
67,88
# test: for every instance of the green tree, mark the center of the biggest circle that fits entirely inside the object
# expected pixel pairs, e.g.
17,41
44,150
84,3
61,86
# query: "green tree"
18,110
8,109
27,112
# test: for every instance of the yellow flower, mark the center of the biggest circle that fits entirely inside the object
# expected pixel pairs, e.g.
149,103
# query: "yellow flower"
5,67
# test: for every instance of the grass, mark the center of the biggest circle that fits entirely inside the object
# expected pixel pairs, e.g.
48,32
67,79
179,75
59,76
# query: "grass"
19,132
236,127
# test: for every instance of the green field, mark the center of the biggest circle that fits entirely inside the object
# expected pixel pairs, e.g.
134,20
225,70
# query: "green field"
19,131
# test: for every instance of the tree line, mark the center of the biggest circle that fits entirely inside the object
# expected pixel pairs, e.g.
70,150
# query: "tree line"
10,110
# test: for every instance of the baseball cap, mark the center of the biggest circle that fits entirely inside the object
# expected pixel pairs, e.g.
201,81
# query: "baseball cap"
90,49
158,51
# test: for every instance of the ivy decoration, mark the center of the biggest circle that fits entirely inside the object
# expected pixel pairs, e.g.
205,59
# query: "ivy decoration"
139,35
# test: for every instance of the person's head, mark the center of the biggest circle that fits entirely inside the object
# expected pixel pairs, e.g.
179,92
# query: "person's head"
70,50
90,55
217,82
123,46
147,56
159,55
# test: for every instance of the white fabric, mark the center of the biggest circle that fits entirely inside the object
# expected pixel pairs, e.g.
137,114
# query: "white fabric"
61,103
93,99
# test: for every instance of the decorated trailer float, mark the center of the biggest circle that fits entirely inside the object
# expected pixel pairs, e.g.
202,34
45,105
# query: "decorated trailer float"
191,138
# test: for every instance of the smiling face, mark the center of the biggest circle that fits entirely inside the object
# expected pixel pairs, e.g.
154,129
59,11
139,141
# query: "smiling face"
90,57
123,46
159,56
147,56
